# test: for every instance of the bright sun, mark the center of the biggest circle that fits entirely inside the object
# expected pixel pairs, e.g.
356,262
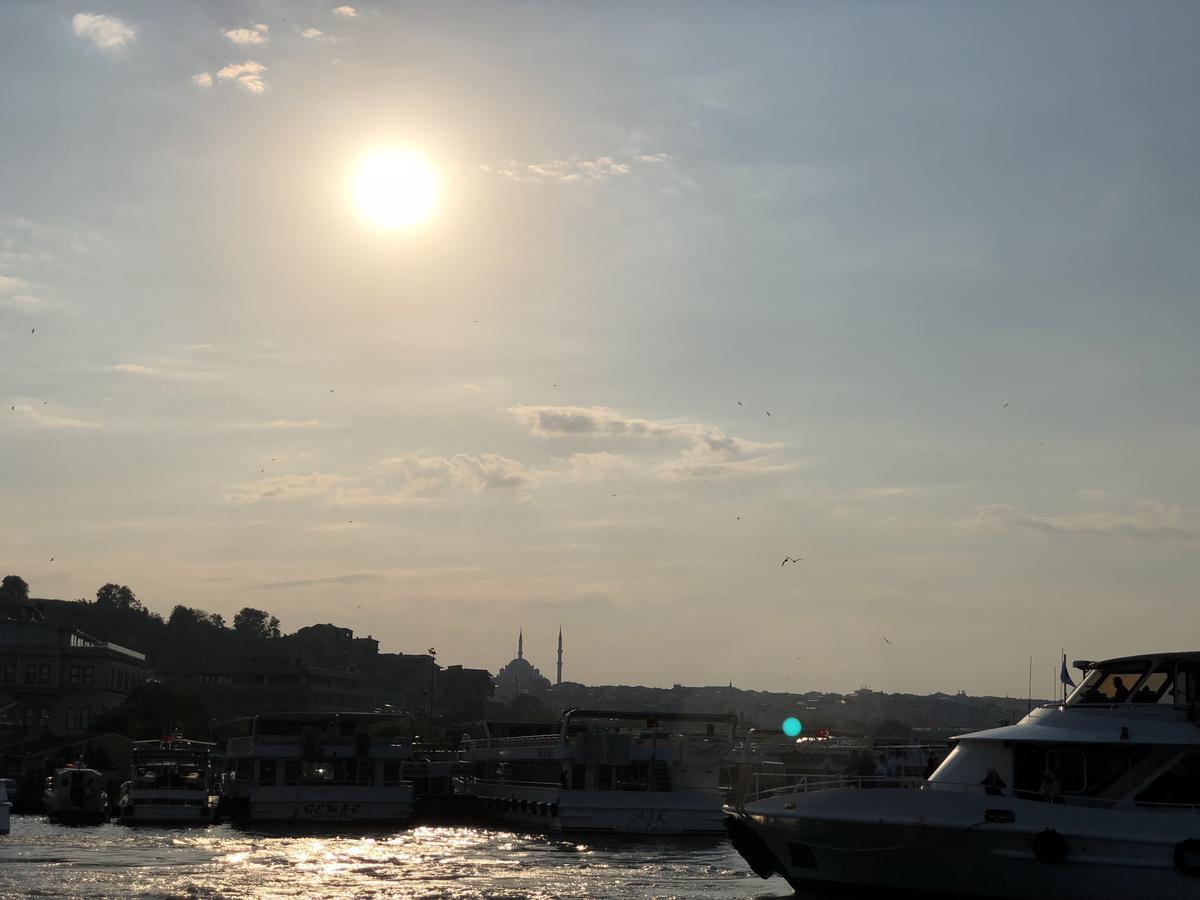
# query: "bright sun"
395,189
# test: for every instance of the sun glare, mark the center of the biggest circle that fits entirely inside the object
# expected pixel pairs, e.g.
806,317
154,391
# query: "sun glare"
395,189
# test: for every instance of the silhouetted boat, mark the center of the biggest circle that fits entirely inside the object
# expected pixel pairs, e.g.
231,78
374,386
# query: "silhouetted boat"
606,771
1097,797
76,796
169,784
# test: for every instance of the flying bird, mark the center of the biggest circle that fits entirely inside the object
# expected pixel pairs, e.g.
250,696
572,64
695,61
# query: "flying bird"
768,412
32,330
791,559
740,403
52,559
885,640
1004,406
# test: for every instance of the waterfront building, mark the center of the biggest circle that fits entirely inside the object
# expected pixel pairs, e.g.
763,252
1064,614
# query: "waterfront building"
55,679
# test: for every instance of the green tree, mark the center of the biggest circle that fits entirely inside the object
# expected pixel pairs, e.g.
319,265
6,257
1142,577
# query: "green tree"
14,591
118,596
256,623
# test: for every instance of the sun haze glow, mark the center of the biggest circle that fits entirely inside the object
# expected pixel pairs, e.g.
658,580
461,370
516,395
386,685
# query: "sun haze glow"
395,189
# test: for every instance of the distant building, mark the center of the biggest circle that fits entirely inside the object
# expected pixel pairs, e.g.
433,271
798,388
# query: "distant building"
271,684
55,679
520,676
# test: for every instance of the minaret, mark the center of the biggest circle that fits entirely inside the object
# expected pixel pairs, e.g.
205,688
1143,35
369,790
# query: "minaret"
558,681
521,644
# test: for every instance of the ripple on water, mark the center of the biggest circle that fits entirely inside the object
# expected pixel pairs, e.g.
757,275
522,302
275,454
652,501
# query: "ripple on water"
222,863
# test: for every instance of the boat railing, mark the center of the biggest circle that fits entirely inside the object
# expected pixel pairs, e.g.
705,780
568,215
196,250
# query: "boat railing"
524,784
764,785
491,743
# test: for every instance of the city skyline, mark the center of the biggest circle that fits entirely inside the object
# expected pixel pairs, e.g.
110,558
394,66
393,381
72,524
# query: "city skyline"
659,298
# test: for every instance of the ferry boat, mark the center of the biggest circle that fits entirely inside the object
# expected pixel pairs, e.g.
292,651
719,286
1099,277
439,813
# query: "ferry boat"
1097,797
318,768
169,785
606,771
75,795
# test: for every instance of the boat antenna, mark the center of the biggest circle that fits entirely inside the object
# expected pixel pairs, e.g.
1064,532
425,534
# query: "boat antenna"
1029,696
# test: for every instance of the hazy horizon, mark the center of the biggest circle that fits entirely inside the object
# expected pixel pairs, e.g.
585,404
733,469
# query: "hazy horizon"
950,249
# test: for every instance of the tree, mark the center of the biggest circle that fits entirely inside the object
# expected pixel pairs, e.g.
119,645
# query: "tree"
256,623
14,591
114,596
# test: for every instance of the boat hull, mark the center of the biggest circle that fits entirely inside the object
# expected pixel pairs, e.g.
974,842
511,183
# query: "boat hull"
356,805
940,843
163,815
613,812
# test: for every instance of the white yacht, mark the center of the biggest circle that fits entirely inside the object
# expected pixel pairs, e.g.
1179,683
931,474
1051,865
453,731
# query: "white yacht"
75,795
169,784
1096,798
603,771
319,767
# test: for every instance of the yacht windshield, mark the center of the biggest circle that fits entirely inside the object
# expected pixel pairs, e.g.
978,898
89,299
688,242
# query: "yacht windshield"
1109,685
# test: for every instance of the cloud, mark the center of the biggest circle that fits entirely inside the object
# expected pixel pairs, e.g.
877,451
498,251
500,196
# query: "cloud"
1148,521
312,33
574,169
405,478
244,36
203,79
247,74
352,578
283,423
144,371
283,488
9,283
348,11
105,32
711,451
40,417
24,303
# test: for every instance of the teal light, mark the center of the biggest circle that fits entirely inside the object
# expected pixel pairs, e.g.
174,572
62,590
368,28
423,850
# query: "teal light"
792,726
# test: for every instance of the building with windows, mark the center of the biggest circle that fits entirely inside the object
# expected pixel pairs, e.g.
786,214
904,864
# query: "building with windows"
55,679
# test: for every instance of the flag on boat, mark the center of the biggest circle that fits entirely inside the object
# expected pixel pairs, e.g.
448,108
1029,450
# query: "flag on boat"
1064,676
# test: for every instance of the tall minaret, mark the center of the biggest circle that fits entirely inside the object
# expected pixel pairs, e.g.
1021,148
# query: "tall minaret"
558,682
521,644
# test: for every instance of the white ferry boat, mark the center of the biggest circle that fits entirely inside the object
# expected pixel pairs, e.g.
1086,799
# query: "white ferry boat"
319,767
75,795
604,771
1098,797
169,785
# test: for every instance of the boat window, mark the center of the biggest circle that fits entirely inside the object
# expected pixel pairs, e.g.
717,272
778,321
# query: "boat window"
1179,785
1109,685
1187,683
1071,768
1157,686
578,777
391,772
634,777
604,778
266,771
291,772
366,772
245,770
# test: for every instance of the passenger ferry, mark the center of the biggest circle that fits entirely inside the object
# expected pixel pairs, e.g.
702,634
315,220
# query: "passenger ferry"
169,785
1098,797
75,795
319,767
605,771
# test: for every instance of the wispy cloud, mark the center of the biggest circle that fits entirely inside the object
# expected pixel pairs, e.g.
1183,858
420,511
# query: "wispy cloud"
312,33
24,302
203,79
280,488
41,417
402,479
352,578
283,424
246,36
9,283
348,11
248,74
105,32
1147,521
142,371
711,450
573,169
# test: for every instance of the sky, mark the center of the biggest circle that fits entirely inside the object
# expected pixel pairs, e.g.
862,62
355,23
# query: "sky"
905,290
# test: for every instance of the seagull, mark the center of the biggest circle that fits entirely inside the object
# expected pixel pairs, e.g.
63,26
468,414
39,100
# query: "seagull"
52,559
1004,406
885,640
791,559
740,403
768,412
32,330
